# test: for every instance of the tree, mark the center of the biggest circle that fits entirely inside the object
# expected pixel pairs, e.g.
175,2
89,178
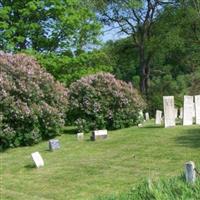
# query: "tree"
134,18
46,25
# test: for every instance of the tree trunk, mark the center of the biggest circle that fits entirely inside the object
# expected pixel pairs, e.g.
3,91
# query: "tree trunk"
144,72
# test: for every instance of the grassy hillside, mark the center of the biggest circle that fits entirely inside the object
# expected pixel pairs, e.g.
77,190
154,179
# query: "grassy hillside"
86,170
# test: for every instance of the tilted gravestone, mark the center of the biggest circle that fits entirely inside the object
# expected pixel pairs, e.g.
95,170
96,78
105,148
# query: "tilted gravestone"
188,110
147,116
54,144
80,136
37,158
197,108
158,117
169,117
99,134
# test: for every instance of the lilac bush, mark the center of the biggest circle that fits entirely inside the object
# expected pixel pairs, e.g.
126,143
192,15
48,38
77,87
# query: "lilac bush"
33,104
100,101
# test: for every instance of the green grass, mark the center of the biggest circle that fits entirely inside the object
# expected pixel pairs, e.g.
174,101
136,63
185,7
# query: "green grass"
86,170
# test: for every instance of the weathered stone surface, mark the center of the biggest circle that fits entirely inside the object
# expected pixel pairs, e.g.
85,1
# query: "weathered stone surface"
147,116
188,110
80,136
54,144
197,108
181,113
176,113
190,173
99,134
158,117
168,102
37,159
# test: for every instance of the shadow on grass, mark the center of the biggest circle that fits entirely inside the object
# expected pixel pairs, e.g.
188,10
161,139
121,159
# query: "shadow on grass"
69,130
29,166
190,138
153,126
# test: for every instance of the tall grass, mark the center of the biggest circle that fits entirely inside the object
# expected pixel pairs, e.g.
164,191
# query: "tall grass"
167,189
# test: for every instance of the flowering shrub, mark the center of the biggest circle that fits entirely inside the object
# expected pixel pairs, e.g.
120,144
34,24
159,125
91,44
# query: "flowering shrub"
100,101
32,104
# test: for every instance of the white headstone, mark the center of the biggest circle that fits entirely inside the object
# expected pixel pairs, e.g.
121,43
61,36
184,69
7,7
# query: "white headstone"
181,113
158,117
176,112
169,117
141,115
99,134
147,116
37,158
190,173
80,136
188,110
197,109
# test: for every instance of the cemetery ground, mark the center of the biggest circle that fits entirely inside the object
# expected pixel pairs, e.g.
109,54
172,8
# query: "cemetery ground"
86,169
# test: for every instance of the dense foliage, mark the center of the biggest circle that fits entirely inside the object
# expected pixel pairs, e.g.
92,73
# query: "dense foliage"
32,104
68,68
174,188
101,101
46,25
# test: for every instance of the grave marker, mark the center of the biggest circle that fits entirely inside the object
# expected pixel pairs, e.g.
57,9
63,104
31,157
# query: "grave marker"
197,108
190,173
99,134
147,116
37,158
80,136
169,117
188,110
54,144
158,117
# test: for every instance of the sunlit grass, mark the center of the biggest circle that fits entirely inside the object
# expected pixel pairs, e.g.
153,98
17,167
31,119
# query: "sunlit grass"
85,169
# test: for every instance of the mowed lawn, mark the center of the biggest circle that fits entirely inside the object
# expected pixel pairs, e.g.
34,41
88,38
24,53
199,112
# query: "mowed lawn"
85,169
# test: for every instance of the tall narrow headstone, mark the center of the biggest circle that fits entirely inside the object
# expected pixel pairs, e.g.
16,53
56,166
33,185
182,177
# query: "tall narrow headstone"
168,102
147,116
190,173
158,117
197,108
176,112
188,110
37,158
181,113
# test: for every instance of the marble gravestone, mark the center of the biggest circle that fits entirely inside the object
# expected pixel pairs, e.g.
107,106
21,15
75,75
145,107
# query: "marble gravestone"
176,112
99,134
190,173
158,117
197,108
141,115
181,113
188,110
54,144
147,116
80,136
168,103
37,159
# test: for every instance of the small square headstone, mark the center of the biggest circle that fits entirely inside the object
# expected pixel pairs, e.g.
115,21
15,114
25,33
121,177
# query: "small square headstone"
37,159
80,136
54,144
99,134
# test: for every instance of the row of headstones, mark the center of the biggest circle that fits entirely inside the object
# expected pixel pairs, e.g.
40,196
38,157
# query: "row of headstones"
190,110
54,144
